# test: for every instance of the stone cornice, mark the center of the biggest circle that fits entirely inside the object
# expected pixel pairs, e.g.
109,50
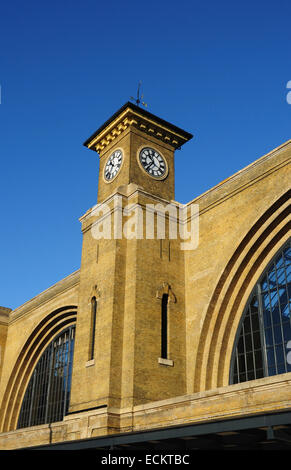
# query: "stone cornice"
146,122
236,183
4,315
244,178
47,295
126,193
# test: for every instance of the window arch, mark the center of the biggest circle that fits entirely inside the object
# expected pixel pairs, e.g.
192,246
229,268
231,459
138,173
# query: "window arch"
47,396
263,342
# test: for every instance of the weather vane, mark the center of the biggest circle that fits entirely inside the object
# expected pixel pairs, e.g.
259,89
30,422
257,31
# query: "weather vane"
139,97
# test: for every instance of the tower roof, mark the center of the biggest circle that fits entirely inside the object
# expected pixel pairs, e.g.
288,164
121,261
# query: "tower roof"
132,115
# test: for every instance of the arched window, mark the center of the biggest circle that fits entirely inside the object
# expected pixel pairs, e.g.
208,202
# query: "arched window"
263,344
47,396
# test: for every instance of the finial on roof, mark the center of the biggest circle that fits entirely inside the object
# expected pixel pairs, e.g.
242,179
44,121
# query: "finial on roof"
138,99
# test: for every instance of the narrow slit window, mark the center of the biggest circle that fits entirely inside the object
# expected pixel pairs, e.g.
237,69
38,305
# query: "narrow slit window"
93,327
164,327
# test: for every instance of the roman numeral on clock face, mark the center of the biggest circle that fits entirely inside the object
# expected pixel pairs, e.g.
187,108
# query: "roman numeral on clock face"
113,165
152,162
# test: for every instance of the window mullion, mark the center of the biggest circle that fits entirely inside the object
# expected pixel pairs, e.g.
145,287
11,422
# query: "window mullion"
281,316
252,341
67,372
47,393
32,398
262,329
245,350
49,383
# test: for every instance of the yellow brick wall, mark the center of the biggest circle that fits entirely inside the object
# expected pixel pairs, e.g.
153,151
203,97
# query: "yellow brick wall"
30,328
4,320
238,220
242,223
131,142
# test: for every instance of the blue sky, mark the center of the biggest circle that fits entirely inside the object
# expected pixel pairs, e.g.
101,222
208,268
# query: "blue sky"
217,69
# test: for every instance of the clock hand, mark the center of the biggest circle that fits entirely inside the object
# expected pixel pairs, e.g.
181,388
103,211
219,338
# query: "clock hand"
156,161
149,164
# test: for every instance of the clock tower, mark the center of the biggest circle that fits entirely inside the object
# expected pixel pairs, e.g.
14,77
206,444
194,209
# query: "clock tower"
130,344
138,147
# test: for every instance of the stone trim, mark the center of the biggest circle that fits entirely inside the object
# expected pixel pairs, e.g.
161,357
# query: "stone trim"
165,362
132,118
266,395
240,180
4,315
47,295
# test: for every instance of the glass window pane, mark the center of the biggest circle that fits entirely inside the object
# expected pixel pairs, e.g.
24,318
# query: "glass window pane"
254,306
278,334
281,276
281,369
240,345
272,370
286,331
255,323
276,315
266,301
247,325
285,309
267,318
257,340
258,360
269,336
279,354
46,398
248,342
250,361
279,262
259,373
282,291
272,278
251,375
264,284
287,255
270,357
241,363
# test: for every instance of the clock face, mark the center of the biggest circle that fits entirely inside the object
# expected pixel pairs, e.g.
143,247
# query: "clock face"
113,165
153,163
